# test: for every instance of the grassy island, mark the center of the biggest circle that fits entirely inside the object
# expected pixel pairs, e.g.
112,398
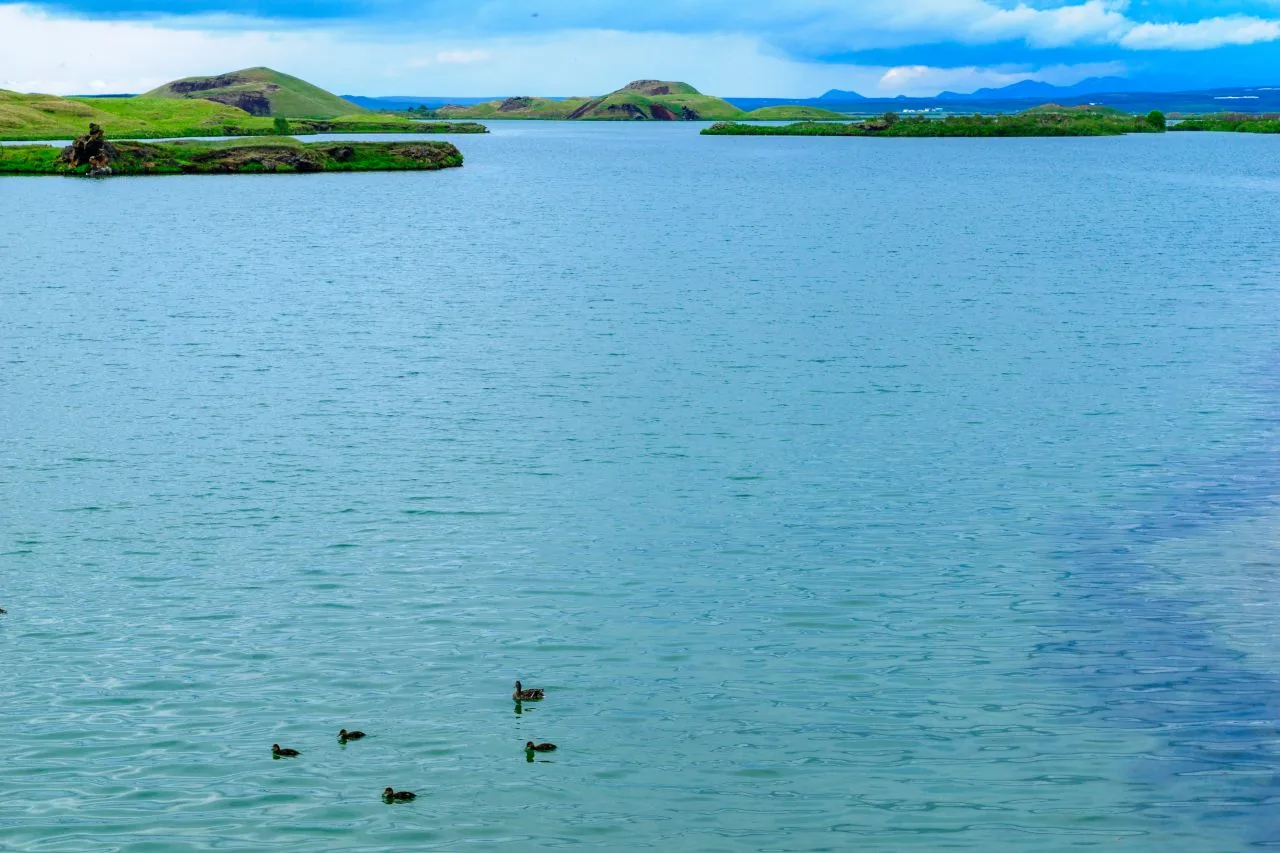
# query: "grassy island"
1049,120
272,155
1231,123
639,100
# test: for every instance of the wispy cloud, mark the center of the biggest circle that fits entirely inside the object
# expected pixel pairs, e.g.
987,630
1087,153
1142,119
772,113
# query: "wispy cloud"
1202,35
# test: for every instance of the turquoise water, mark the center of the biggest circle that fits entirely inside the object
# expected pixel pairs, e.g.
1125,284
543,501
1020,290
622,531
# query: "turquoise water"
842,494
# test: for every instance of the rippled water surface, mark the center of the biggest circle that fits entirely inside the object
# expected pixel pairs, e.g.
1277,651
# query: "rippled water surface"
842,494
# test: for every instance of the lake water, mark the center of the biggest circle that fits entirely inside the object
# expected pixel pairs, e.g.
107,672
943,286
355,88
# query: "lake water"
842,494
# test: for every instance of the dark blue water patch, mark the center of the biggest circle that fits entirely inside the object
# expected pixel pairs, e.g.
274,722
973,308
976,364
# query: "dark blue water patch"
1155,667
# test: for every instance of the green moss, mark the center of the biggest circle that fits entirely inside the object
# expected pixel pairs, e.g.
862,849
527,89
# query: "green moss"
278,155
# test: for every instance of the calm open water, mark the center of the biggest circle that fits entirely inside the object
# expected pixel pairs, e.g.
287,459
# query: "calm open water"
842,494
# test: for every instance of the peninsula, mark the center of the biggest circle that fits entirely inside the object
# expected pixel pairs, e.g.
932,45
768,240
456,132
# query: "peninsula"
639,100
1048,120
93,155
1231,123
253,102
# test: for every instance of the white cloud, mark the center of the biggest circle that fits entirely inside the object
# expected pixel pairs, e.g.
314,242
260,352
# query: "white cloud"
41,52
924,80
1201,35
1090,22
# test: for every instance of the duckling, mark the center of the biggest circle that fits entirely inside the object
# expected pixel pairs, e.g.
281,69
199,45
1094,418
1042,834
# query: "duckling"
533,694
346,735
539,747
277,752
391,795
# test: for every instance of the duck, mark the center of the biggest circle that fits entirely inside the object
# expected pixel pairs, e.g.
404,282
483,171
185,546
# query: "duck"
3,611
392,795
277,752
533,694
539,747
346,735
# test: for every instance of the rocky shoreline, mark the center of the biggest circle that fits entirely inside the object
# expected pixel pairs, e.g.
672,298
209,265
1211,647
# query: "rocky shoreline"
92,155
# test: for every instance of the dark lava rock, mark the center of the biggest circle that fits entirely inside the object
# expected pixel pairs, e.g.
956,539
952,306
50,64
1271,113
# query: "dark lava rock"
254,103
186,87
511,105
92,150
631,111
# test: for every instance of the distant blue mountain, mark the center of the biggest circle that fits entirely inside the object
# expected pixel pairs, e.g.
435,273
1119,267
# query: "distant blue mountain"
404,102
1035,90
840,95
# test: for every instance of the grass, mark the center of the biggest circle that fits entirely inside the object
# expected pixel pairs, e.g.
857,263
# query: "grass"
270,155
787,112
1039,122
40,117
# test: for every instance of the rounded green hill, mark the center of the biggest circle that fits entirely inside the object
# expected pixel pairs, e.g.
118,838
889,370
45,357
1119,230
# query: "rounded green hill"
260,92
639,100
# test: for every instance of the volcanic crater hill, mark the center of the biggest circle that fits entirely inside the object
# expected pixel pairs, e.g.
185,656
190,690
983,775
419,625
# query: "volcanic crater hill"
640,100
260,92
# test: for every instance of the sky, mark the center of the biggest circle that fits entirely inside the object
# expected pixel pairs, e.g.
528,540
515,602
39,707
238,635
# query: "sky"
744,48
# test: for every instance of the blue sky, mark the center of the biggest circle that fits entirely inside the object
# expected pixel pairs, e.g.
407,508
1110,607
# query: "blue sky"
794,48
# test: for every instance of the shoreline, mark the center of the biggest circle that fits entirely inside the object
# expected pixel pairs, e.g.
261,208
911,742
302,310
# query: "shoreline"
279,156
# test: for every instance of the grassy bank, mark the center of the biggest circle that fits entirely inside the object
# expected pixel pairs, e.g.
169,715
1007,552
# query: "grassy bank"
1231,123
37,117
273,155
1038,122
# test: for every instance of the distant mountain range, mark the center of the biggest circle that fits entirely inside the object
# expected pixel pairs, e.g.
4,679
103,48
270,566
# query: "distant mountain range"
1022,90
1129,95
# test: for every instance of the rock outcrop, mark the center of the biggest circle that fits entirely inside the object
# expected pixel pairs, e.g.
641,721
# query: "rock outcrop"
92,150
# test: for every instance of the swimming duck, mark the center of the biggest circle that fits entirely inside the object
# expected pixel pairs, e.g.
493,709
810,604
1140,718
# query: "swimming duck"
346,735
533,694
3,611
539,747
277,752
392,795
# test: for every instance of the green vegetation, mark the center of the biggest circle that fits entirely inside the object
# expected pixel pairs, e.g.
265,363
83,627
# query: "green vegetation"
38,117
1232,123
1156,119
271,155
1037,122
260,92
787,112
640,100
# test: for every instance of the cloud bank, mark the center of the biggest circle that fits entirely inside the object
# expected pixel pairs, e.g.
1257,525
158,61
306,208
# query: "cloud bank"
775,48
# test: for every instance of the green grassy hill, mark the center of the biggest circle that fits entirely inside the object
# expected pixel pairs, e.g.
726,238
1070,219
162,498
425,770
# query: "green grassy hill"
658,100
34,117
523,107
641,100
787,112
51,117
259,92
